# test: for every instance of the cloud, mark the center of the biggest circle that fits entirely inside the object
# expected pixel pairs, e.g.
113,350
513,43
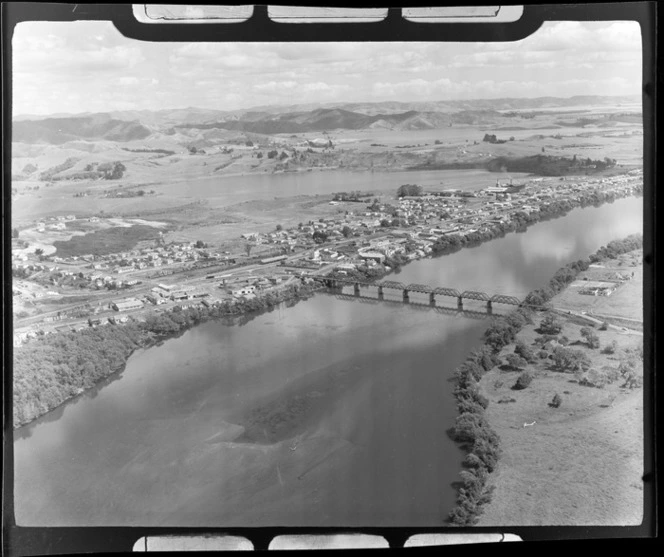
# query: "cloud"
89,66
274,86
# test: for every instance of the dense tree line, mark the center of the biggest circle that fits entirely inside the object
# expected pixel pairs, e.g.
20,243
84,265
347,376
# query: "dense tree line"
51,172
545,165
356,196
617,247
54,368
567,274
411,190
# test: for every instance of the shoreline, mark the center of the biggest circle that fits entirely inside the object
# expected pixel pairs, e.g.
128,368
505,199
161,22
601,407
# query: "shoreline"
449,245
147,335
482,426
557,210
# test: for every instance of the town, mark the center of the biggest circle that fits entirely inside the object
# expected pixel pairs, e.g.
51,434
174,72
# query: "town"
54,293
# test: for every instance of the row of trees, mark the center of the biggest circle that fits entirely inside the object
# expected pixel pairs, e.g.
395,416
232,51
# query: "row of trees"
471,428
567,274
546,165
351,196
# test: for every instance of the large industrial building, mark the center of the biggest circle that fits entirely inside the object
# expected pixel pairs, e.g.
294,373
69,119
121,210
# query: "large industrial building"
127,305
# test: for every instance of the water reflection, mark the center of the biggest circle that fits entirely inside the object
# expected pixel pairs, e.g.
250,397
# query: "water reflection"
363,386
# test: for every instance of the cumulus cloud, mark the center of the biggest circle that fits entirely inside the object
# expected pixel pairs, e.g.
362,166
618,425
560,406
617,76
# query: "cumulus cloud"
89,66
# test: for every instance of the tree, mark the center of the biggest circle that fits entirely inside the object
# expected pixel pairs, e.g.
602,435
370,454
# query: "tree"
200,244
515,362
610,348
409,190
192,149
272,154
346,231
524,351
279,228
259,155
550,325
499,334
566,359
523,381
247,248
592,340
39,251
319,236
556,402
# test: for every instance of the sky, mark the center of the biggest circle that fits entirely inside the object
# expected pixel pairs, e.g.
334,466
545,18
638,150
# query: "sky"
88,66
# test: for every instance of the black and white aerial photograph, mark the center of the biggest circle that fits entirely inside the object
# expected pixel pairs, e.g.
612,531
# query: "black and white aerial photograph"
327,284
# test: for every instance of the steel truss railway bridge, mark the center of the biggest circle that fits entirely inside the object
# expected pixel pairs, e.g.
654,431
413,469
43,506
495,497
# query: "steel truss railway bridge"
405,289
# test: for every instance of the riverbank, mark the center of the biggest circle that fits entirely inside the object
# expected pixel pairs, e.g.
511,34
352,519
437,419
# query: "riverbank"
509,360
51,370
519,222
572,437
58,371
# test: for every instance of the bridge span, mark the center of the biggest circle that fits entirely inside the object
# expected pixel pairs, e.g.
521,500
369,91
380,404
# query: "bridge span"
443,310
336,283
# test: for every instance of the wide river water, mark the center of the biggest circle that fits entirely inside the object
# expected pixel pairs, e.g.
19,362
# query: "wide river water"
332,412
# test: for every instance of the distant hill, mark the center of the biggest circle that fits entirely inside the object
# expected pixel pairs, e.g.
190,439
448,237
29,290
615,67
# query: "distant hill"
131,125
57,131
323,119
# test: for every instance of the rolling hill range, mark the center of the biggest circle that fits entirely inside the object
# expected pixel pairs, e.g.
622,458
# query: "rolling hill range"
125,126
323,119
57,131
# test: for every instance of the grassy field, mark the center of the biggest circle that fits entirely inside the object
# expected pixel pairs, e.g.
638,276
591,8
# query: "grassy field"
625,303
580,463
103,242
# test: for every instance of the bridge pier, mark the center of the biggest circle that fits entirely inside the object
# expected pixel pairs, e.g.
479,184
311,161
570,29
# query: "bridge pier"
406,298
432,299
356,288
489,307
460,303
380,293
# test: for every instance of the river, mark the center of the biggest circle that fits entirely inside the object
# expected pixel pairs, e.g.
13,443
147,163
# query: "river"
332,412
